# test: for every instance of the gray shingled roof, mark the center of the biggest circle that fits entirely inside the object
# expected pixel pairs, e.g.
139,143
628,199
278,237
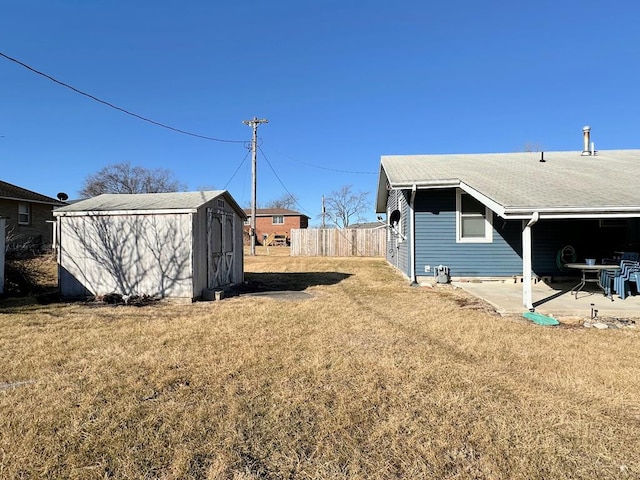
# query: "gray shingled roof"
13,192
144,201
566,181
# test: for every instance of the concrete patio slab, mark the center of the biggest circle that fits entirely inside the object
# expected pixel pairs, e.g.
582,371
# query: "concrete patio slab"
553,299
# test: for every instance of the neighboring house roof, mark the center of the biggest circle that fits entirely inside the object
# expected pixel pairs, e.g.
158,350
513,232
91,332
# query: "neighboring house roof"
268,212
9,191
174,201
368,225
519,184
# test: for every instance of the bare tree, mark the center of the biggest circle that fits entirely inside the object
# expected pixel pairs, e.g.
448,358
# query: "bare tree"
532,147
287,201
345,205
125,178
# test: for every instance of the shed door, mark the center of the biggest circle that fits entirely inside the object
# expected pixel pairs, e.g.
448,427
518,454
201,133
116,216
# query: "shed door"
220,236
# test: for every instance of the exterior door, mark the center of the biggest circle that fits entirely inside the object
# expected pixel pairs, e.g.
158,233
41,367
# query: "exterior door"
220,246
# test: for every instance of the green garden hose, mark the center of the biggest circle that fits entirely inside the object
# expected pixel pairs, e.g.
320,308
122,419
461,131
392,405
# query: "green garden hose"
566,254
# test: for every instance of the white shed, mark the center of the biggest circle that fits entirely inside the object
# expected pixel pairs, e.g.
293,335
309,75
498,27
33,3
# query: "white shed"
161,244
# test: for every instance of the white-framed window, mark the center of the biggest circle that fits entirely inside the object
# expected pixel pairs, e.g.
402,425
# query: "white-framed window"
24,214
277,220
247,221
612,222
473,220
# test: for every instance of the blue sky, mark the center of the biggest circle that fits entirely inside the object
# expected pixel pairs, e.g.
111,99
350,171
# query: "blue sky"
341,82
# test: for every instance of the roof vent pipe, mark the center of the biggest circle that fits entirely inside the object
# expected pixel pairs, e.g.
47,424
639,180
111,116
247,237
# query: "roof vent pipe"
586,133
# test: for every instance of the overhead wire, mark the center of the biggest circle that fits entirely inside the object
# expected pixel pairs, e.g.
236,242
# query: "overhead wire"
237,169
320,167
281,182
334,169
115,107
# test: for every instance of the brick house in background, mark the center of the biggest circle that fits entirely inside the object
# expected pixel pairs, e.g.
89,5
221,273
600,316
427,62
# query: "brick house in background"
273,225
29,217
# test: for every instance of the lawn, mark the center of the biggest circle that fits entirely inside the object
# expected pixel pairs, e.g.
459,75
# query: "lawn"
365,378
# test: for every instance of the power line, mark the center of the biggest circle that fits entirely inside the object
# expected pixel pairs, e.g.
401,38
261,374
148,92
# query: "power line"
335,169
115,107
237,169
330,169
281,183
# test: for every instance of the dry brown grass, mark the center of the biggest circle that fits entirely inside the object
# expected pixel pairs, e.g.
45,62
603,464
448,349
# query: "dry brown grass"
30,276
369,378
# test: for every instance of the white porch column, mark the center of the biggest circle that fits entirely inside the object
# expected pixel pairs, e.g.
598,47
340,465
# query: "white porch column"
412,233
527,299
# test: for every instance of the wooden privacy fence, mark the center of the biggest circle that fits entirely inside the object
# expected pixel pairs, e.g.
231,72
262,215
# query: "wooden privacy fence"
336,242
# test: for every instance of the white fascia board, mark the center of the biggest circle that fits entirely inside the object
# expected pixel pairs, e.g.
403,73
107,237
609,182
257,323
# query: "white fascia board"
382,193
486,201
590,215
453,183
574,213
430,185
98,213
526,213
426,185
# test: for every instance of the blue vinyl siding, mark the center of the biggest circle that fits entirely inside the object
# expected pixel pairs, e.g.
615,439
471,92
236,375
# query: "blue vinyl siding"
436,241
435,237
397,250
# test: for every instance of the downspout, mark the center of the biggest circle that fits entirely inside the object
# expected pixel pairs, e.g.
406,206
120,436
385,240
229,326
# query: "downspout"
527,299
412,235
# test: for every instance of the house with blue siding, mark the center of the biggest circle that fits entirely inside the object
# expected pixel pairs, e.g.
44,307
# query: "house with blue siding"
495,216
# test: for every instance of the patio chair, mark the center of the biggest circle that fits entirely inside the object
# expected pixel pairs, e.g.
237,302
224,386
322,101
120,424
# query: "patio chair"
633,256
621,281
635,277
607,276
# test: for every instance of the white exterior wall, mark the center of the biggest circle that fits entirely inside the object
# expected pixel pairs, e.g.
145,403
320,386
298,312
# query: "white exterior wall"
127,254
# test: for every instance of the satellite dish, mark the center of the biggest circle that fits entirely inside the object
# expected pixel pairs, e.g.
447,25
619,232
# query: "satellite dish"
63,196
394,218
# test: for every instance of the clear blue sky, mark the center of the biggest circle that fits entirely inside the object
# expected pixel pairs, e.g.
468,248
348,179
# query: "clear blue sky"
342,82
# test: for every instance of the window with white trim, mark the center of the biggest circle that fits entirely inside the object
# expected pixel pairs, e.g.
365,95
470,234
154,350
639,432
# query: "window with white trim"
24,214
473,220
277,220
612,223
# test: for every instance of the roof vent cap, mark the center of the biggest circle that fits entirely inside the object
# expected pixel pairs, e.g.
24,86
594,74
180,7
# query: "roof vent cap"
586,137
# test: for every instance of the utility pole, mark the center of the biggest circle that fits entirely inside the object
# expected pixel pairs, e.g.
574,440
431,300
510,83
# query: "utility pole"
254,124
324,212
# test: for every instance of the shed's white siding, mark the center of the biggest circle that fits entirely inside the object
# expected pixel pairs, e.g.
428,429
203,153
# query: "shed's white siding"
127,254
154,244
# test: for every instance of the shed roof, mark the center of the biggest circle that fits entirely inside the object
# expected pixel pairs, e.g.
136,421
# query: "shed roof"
109,202
520,183
13,192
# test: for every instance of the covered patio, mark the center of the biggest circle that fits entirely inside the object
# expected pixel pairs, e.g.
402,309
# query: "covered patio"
554,299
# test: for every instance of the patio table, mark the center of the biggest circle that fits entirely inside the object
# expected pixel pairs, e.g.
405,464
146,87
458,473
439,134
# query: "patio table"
586,271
